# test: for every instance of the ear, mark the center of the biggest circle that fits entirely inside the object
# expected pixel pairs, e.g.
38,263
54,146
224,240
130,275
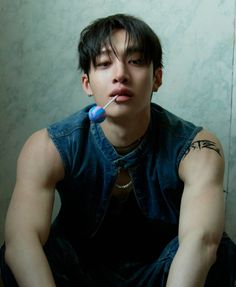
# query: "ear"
157,81
86,84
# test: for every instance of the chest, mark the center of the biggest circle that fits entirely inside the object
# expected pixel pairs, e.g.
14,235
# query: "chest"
123,185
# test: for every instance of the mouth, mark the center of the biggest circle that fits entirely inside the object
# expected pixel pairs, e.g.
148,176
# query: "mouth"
122,94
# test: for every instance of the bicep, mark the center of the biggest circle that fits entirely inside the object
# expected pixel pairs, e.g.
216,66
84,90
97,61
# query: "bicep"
39,167
202,205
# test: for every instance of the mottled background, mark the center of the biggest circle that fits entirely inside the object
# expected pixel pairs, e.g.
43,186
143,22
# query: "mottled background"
39,81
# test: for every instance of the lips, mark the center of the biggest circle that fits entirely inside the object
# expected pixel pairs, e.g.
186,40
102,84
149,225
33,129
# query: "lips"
123,94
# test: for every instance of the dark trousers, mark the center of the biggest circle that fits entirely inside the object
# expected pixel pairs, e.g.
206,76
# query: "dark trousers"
70,270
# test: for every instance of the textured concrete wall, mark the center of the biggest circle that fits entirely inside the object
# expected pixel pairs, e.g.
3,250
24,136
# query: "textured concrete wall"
39,81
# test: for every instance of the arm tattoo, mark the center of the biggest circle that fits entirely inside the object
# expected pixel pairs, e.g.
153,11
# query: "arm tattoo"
203,144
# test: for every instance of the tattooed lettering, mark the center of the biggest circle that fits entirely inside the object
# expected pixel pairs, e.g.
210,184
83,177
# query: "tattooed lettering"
200,144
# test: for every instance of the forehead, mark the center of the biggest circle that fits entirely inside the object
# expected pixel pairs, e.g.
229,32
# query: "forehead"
119,40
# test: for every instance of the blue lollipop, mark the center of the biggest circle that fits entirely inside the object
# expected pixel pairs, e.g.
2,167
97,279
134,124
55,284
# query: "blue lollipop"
97,114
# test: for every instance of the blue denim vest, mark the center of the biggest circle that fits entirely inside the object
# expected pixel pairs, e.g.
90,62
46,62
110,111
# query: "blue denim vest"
92,165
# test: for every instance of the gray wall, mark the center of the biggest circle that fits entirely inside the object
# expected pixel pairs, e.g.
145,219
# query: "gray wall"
39,81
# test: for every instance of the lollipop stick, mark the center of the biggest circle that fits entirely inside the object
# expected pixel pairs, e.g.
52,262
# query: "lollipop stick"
112,100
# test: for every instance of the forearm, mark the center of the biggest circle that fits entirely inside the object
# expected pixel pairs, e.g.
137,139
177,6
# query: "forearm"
26,259
191,263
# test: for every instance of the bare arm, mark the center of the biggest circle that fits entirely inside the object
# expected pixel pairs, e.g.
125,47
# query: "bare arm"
202,212
28,219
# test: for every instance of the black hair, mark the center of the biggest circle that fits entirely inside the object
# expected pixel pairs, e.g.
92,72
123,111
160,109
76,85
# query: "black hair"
98,34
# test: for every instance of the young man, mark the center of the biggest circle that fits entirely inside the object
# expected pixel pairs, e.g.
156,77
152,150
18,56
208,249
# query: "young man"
141,193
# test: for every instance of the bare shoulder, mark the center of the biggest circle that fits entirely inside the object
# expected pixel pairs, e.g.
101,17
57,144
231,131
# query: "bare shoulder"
40,160
203,160
39,168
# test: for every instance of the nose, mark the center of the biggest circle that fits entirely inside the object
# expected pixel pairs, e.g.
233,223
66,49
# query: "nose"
120,73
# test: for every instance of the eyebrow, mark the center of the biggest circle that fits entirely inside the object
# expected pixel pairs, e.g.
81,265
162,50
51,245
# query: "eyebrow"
133,49
128,50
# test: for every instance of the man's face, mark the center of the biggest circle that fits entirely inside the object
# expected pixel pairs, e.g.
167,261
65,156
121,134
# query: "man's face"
123,73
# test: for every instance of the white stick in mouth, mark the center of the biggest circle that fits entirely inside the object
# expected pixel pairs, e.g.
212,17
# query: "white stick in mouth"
97,114
112,100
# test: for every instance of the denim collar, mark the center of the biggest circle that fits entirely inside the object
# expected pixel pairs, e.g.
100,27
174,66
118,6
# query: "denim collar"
109,152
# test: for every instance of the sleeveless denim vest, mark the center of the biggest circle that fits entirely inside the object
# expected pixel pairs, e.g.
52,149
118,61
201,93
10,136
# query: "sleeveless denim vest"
92,164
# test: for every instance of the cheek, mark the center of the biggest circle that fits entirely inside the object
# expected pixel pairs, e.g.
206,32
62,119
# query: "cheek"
98,82
93,85
146,76
146,82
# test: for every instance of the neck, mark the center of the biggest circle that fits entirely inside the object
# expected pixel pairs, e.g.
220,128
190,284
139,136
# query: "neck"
124,133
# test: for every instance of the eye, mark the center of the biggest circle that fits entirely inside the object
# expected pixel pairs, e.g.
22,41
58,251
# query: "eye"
103,61
103,64
138,61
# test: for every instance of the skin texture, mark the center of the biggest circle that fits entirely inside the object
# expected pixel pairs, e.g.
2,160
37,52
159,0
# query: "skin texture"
40,167
123,71
202,212
28,219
